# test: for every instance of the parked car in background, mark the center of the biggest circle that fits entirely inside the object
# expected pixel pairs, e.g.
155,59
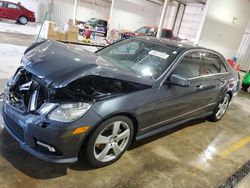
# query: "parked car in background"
150,31
13,11
62,102
101,26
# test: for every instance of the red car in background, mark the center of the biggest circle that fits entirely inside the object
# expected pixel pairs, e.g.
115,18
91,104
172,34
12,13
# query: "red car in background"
13,11
150,31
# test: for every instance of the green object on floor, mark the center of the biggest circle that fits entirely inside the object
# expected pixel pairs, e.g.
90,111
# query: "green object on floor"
246,79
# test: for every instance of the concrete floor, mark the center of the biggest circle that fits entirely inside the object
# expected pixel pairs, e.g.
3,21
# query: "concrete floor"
197,154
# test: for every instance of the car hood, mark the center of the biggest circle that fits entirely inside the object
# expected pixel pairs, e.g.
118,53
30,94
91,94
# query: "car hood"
58,65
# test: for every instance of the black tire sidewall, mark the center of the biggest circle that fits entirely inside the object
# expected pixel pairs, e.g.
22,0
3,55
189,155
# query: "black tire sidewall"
89,148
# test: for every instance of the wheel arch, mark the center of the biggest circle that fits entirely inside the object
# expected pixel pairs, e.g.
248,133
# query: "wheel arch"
230,93
131,116
22,15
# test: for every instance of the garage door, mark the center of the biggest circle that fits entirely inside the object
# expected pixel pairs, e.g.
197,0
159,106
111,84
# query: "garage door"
191,21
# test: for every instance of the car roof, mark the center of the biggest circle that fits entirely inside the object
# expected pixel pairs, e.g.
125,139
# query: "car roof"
177,45
167,42
8,2
155,27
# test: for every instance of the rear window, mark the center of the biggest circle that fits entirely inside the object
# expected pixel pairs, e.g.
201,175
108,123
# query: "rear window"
146,31
13,6
167,34
1,4
102,23
212,64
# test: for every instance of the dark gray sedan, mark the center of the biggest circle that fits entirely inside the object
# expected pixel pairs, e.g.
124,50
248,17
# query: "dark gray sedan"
62,102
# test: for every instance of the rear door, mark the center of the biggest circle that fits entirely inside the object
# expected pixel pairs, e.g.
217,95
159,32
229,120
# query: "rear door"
215,76
13,11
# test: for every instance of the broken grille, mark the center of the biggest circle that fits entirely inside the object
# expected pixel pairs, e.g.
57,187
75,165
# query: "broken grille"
26,92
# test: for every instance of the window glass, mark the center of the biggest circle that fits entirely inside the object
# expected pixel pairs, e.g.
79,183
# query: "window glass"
102,23
127,48
146,58
189,66
1,4
167,34
14,6
223,68
146,31
212,64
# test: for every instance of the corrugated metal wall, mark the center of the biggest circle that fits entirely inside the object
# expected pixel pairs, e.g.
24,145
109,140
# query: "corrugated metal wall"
244,51
61,10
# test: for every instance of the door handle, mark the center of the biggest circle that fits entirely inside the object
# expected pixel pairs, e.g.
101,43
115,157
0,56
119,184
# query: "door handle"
199,87
223,81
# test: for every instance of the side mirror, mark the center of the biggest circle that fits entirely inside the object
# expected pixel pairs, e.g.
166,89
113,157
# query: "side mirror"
179,80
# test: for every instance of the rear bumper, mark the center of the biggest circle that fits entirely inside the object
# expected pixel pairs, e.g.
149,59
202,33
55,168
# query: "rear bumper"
26,129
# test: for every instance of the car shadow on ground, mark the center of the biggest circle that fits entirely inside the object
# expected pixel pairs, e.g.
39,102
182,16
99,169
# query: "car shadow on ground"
38,169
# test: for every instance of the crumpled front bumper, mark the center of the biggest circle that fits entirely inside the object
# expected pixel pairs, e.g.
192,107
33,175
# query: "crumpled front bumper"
27,129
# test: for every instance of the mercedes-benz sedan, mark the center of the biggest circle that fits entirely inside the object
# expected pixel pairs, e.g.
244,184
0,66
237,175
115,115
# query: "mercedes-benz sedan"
62,102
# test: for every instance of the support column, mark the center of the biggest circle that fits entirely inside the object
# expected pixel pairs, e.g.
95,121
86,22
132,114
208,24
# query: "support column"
162,19
75,11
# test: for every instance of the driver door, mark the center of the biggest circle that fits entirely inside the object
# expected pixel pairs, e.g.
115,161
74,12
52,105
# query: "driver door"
175,102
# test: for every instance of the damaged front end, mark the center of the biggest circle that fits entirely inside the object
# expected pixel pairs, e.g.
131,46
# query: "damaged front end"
30,94
54,93
26,92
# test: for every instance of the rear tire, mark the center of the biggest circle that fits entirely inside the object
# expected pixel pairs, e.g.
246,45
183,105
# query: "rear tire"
109,141
220,109
23,20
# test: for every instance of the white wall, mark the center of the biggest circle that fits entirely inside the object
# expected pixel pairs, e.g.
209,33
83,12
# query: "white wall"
133,14
61,10
85,10
29,4
219,32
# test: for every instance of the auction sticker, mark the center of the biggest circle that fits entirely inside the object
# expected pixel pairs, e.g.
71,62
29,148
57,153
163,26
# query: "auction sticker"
158,54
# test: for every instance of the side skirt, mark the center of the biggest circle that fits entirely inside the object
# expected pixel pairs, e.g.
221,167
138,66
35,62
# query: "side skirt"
166,127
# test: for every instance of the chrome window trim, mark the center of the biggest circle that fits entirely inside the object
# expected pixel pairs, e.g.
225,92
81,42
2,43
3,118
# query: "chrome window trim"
168,120
208,75
189,52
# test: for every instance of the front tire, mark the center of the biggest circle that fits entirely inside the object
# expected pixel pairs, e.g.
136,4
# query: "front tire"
109,141
22,20
220,109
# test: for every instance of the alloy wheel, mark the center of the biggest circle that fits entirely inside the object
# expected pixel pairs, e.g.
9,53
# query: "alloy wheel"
23,20
112,141
222,108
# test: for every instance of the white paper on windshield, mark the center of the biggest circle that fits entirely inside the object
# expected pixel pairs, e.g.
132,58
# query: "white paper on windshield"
158,54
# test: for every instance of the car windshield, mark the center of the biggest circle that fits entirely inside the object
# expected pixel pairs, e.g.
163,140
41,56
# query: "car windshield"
92,20
147,58
146,31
